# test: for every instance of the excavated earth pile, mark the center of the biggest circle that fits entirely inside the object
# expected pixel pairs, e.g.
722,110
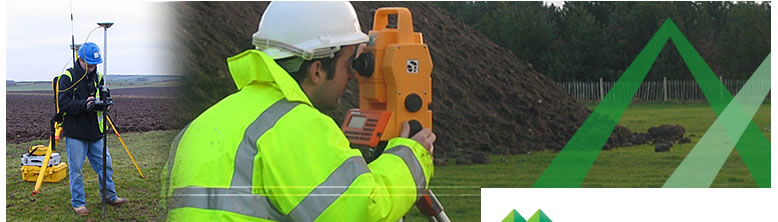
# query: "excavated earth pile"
485,99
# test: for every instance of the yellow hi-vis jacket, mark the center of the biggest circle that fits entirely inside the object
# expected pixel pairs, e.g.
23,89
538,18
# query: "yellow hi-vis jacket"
265,153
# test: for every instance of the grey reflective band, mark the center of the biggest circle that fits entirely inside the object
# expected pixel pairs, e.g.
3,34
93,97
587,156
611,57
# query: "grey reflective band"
327,192
247,150
230,200
172,156
255,205
410,159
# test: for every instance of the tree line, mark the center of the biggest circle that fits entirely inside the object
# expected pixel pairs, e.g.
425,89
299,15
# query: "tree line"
586,41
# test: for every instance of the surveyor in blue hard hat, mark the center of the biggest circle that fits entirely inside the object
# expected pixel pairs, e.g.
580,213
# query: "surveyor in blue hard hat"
82,125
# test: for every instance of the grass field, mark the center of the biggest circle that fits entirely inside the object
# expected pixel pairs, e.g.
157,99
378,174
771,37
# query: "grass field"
114,81
150,150
457,186
635,166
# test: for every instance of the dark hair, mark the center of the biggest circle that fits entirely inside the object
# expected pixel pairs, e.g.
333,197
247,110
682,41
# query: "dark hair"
300,74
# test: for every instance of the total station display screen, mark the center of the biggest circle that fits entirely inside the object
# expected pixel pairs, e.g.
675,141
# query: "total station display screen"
357,122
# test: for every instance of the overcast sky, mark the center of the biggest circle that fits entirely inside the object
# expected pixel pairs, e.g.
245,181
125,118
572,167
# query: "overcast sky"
38,36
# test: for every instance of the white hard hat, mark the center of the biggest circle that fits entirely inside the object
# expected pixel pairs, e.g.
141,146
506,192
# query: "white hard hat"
310,30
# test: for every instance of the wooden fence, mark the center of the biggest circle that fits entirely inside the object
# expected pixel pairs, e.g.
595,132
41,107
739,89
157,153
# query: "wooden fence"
663,90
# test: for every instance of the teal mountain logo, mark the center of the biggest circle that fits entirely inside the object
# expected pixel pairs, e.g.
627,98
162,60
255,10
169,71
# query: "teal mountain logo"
514,216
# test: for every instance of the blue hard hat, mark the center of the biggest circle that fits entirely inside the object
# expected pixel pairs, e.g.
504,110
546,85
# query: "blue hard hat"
90,53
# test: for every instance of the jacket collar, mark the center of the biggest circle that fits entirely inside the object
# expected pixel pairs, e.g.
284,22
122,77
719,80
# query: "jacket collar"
77,72
255,67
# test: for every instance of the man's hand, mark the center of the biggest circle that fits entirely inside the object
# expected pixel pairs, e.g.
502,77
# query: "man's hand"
90,103
425,137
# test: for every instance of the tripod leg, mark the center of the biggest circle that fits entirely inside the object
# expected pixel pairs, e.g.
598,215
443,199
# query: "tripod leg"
125,147
39,182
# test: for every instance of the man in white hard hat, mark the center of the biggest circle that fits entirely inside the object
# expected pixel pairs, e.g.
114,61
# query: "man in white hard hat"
267,153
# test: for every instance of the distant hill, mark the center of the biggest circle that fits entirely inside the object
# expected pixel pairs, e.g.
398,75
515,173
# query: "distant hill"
114,82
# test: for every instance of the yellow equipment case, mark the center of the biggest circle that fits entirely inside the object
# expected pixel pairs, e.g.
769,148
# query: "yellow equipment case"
53,174
38,150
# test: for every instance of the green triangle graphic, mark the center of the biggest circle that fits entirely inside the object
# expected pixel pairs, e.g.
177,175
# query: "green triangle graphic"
514,216
539,216
571,165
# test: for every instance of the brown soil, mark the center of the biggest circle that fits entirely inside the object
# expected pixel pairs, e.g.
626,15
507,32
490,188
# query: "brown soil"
485,98
27,116
156,92
135,92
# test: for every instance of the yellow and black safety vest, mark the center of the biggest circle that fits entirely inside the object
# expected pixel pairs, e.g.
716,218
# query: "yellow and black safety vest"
68,91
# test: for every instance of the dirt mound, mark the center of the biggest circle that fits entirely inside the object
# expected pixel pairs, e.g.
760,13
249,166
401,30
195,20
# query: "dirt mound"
666,133
663,137
622,136
485,98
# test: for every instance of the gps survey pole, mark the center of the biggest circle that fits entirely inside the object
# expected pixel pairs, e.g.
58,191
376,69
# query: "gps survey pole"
105,26
105,153
103,96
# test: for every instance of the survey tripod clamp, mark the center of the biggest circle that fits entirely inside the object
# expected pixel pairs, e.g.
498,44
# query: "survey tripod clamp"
395,86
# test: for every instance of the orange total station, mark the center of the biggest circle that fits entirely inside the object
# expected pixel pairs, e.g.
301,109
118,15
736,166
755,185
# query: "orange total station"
394,81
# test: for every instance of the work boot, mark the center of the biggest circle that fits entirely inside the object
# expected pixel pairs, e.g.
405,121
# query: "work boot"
118,202
81,211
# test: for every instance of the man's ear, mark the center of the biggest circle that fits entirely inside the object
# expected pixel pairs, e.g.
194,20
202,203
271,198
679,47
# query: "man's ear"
315,74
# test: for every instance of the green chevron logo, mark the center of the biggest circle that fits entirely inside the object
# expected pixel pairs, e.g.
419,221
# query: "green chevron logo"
514,216
733,127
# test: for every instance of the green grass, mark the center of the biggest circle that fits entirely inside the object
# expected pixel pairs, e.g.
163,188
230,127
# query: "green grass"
29,86
635,166
114,81
150,150
612,168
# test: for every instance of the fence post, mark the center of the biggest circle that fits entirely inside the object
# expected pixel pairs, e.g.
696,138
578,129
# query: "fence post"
577,93
664,88
601,90
721,94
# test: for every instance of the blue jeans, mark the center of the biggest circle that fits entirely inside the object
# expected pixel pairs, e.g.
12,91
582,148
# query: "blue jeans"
77,150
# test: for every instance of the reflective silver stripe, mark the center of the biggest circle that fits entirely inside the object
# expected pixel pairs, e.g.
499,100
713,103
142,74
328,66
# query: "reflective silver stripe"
255,205
238,198
327,192
414,165
172,156
227,200
247,150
